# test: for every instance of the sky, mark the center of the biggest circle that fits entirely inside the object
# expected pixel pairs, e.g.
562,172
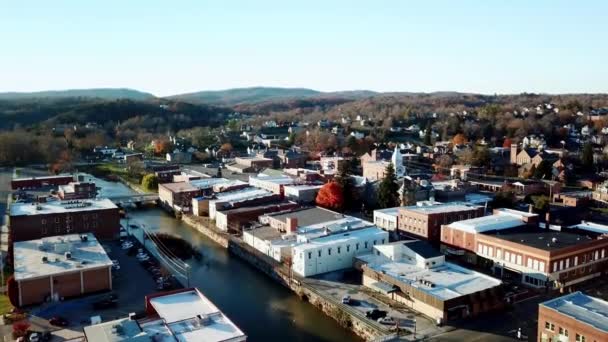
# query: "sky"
171,47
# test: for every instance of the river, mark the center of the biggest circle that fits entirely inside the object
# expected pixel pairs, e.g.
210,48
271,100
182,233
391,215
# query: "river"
263,309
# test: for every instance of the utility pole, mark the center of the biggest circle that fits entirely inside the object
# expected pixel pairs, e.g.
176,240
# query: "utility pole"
187,275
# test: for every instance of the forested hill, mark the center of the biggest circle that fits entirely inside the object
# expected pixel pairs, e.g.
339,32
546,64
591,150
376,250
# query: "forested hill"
168,115
231,97
101,93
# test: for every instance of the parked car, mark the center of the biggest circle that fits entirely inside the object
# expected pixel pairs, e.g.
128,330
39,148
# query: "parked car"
346,300
59,321
375,314
387,320
109,302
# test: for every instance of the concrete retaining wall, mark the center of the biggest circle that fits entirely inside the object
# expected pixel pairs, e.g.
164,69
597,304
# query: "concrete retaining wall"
330,306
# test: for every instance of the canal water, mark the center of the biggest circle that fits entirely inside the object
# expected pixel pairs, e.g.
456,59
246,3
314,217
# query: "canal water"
263,309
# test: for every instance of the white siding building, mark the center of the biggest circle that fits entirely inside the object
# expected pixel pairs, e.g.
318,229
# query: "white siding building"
335,251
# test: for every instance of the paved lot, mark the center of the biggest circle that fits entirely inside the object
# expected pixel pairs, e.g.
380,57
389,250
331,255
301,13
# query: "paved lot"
338,285
131,283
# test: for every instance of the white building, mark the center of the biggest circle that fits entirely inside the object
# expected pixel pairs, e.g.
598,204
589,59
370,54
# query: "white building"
185,316
272,184
302,193
387,219
224,200
334,249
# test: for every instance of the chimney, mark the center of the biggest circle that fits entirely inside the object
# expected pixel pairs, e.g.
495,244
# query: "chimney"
530,208
513,154
291,225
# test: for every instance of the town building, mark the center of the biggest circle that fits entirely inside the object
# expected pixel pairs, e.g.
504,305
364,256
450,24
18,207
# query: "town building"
301,193
77,190
236,199
39,182
249,164
184,315
233,220
133,158
573,198
374,169
272,184
59,267
573,317
425,221
336,250
178,196
414,273
541,257
459,238
29,221
179,157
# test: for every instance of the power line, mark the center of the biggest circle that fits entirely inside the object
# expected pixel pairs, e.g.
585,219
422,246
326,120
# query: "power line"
174,264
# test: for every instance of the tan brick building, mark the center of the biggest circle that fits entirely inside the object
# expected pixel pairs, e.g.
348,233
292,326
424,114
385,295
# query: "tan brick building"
59,267
573,317
425,221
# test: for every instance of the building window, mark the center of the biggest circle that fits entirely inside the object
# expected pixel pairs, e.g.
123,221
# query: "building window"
339,248
365,244
579,338
550,326
56,219
319,253
329,251
382,241
309,255
374,242
575,260
347,248
44,230
357,246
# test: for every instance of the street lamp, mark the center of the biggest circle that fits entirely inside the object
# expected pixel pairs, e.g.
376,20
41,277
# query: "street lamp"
414,328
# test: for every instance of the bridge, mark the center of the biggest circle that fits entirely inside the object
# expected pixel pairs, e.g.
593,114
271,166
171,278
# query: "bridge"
134,199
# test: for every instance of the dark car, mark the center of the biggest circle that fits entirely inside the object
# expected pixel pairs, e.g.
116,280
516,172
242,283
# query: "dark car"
375,314
110,302
59,321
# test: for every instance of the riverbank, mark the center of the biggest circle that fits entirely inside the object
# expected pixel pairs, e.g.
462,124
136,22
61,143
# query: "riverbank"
332,307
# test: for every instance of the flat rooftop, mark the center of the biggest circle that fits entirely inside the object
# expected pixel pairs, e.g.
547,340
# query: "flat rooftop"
487,223
190,316
42,177
119,330
309,216
352,236
242,194
544,239
85,254
586,309
304,187
514,213
441,208
179,187
265,233
592,227
276,180
449,280
205,183
56,206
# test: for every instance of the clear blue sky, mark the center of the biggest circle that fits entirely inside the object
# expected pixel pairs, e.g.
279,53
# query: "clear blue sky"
168,47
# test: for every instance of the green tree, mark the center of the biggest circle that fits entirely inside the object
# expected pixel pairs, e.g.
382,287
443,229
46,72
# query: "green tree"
344,179
541,203
388,190
150,182
408,197
504,199
587,157
427,135
481,157
544,170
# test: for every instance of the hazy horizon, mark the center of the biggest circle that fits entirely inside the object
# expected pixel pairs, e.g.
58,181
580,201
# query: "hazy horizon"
550,47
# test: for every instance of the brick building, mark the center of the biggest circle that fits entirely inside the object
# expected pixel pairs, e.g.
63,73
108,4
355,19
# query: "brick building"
29,221
425,221
178,196
39,182
573,317
58,267
77,190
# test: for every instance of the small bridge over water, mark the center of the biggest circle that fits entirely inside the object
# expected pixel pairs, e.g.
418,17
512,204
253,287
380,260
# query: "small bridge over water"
134,199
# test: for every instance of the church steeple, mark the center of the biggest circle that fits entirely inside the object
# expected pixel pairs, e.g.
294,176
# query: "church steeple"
397,160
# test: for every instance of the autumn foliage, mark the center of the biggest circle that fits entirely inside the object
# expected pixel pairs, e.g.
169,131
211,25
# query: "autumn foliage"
459,139
330,196
507,143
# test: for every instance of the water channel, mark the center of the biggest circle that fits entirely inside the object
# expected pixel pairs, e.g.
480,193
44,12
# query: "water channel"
263,309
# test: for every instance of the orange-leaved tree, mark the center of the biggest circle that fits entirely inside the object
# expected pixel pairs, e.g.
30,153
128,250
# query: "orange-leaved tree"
330,196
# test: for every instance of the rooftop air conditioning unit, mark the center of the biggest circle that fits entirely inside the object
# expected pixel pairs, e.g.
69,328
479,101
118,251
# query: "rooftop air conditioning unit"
45,259
68,255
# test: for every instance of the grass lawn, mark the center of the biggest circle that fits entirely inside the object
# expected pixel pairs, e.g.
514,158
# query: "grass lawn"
5,305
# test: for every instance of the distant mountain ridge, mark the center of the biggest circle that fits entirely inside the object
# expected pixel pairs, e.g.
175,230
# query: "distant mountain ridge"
101,93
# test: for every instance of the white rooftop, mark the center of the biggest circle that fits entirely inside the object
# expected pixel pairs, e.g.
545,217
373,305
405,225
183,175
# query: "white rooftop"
343,238
320,229
449,280
441,208
514,213
85,255
303,187
242,194
487,223
206,183
56,206
592,227
272,179
190,316
586,309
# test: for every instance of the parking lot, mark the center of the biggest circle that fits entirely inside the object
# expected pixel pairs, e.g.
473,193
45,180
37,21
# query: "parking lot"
339,284
130,284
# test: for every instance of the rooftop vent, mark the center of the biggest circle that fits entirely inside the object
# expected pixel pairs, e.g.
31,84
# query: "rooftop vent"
68,255
554,240
45,259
